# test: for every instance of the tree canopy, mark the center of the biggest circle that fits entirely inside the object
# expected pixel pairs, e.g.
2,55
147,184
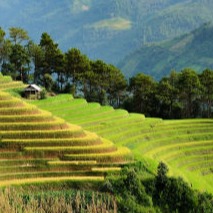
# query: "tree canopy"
184,94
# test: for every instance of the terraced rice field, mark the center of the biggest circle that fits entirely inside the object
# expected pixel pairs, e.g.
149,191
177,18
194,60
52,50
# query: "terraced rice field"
8,83
185,145
36,147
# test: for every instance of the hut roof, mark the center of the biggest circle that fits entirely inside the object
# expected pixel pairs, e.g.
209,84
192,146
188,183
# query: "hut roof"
32,87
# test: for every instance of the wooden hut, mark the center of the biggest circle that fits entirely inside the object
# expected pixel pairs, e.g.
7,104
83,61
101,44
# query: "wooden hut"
32,92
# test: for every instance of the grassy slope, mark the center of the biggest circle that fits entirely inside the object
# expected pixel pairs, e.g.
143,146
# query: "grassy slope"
185,145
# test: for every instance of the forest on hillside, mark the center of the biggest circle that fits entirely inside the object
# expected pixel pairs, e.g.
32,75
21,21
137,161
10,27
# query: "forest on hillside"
193,50
183,94
109,30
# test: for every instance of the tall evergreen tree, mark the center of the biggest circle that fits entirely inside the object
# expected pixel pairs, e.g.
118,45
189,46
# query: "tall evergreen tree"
19,58
51,58
117,85
5,47
189,90
76,64
167,94
18,35
36,55
143,88
206,79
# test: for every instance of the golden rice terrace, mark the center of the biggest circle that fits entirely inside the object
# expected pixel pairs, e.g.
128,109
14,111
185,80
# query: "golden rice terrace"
36,147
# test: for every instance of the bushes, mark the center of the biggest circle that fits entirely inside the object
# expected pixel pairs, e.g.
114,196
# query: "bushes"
130,192
175,195
157,194
43,94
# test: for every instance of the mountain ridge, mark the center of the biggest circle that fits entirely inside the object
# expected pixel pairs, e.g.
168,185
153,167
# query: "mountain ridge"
123,25
190,50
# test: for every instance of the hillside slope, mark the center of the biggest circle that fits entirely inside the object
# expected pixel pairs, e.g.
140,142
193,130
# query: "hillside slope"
106,29
186,146
36,147
193,50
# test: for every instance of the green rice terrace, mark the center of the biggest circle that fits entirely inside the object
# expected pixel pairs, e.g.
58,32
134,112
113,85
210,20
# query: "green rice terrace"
186,146
36,146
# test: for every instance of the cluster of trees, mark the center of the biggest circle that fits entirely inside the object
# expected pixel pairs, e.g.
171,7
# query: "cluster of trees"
46,65
180,95
156,194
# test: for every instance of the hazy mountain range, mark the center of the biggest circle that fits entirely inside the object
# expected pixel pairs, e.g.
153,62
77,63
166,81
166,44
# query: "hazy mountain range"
194,50
109,30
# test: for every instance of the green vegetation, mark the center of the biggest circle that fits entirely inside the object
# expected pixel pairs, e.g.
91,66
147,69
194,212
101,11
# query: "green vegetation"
55,201
190,50
38,149
114,23
128,193
157,194
69,72
185,145
151,21
180,95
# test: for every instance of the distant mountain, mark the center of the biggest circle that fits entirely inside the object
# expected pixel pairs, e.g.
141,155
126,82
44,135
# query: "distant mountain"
193,50
108,30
